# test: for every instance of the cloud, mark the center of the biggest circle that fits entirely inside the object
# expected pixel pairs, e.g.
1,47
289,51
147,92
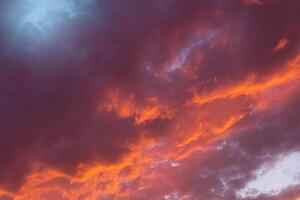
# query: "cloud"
121,98
221,171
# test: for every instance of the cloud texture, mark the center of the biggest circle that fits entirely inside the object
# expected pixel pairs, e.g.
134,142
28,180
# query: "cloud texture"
147,99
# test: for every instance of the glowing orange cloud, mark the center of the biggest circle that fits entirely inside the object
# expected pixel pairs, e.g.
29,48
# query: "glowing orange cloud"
251,86
196,131
126,106
132,94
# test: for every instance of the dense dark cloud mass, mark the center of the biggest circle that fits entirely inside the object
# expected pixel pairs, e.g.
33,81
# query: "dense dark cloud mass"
87,83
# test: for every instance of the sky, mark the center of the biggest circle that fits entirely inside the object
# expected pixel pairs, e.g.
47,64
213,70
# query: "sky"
149,100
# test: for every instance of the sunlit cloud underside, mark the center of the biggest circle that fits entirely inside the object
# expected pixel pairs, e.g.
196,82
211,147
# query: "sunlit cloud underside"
149,100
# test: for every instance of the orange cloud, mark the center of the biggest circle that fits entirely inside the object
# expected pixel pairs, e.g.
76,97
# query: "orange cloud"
195,130
126,106
251,86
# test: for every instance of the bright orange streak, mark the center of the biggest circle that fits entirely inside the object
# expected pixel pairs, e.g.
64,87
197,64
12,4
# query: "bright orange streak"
126,107
94,180
186,147
212,129
250,86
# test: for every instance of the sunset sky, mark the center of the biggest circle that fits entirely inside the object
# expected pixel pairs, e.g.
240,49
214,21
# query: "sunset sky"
149,100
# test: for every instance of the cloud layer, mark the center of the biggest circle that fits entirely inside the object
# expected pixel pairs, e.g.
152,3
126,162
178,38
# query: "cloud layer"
147,99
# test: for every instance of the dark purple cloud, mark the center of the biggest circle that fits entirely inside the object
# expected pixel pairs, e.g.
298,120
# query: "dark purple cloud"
52,82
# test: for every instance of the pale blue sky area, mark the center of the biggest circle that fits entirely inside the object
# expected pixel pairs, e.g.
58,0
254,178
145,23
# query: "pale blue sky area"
271,178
